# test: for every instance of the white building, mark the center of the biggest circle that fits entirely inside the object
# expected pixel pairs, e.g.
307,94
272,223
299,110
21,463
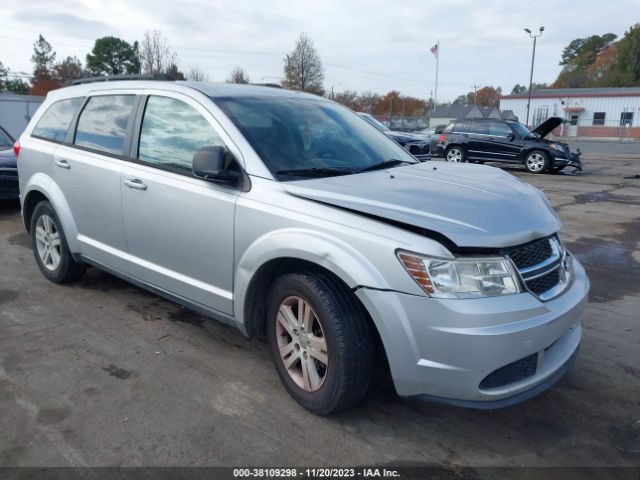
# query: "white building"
590,112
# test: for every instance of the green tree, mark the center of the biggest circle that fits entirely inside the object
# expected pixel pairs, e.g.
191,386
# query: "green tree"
69,69
578,59
17,85
465,99
3,76
43,59
113,56
517,88
303,68
625,71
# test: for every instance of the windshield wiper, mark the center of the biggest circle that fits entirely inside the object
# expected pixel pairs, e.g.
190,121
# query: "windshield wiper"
317,172
387,163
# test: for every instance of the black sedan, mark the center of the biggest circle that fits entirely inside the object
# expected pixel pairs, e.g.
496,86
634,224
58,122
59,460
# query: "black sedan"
8,167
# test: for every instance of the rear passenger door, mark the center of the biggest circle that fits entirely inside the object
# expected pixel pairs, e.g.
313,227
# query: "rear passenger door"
87,169
479,141
179,228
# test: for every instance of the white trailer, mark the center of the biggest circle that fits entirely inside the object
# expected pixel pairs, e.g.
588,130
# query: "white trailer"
16,111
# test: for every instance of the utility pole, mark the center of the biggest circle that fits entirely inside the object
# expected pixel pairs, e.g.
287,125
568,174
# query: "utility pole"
533,58
475,94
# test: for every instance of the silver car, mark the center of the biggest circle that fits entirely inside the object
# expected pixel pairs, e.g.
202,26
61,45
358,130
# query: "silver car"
287,215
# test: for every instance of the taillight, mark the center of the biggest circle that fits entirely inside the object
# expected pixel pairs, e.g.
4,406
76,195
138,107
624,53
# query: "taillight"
16,148
442,138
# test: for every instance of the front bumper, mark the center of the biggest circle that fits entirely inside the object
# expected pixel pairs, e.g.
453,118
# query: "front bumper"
9,183
569,159
443,349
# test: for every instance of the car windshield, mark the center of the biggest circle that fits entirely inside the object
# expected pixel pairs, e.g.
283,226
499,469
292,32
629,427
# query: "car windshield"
375,122
520,129
301,137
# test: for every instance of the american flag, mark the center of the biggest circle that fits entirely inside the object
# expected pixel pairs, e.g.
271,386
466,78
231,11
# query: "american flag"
434,50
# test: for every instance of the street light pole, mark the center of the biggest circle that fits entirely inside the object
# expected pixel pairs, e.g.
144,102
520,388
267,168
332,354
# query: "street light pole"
533,58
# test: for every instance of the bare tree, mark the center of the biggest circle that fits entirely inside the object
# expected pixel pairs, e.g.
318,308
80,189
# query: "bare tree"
238,75
155,54
368,100
349,98
196,74
303,68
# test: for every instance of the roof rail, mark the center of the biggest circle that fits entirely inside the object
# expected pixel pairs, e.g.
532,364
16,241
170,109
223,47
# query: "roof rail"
113,78
272,85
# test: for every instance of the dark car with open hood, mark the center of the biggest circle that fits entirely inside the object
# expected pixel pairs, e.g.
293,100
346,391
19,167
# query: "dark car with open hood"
480,140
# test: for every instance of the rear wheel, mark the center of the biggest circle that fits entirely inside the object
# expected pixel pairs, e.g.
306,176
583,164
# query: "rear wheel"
320,340
536,161
50,246
455,154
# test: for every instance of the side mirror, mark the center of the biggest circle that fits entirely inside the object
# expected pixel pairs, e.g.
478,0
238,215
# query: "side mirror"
209,163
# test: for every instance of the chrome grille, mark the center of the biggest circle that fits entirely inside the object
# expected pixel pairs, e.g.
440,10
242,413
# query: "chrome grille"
531,254
543,266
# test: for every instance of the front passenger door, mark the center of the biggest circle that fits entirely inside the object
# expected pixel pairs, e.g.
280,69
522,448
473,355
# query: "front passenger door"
179,228
505,146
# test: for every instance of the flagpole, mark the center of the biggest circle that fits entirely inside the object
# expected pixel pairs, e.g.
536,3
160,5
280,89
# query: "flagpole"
435,100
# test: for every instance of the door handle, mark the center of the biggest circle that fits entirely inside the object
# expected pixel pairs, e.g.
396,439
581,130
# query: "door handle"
135,183
62,163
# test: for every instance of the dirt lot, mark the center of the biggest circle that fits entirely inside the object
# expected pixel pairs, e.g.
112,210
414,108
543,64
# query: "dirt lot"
103,373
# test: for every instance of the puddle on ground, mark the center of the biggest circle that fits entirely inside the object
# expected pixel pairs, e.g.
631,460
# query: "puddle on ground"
610,265
603,196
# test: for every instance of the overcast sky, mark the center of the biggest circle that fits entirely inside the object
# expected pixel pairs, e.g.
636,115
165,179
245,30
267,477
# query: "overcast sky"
364,45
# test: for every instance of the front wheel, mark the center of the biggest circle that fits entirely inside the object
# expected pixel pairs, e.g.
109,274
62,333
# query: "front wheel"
454,154
50,246
536,162
320,340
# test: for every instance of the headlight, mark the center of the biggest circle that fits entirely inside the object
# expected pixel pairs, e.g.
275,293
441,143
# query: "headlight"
462,277
557,146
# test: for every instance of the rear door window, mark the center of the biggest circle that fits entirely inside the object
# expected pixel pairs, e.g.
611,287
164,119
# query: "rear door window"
479,127
54,124
461,127
103,123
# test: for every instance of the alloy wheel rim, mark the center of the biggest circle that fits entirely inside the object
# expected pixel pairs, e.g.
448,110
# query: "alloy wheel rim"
535,162
302,344
48,242
454,155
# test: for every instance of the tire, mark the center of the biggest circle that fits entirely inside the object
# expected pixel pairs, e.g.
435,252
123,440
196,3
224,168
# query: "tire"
338,324
536,161
455,154
50,246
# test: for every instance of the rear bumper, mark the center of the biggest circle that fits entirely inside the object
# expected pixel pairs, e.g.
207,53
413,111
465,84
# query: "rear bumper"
445,350
9,183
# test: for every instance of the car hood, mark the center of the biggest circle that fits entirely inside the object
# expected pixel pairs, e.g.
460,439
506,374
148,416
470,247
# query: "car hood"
548,126
471,205
7,158
404,137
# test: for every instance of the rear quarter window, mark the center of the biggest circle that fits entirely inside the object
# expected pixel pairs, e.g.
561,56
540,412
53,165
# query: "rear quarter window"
54,123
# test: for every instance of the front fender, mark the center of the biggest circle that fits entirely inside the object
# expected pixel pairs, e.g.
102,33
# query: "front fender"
321,249
44,184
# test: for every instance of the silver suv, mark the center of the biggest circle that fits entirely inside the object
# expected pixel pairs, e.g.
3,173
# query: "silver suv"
287,215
